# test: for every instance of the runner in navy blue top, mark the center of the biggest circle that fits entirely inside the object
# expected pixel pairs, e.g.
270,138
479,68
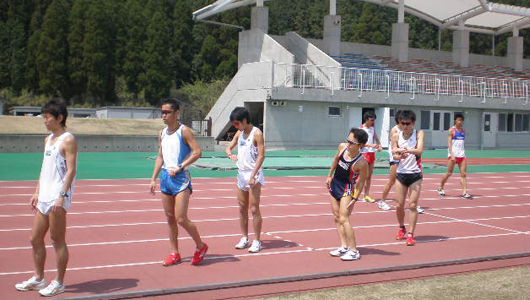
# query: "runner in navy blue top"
345,182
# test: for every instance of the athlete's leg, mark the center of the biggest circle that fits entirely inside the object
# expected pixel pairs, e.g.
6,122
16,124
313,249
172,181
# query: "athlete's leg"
181,212
169,209
401,195
40,227
335,207
57,221
254,199
344,219
450,167
414,196
391,181
463,176
243,201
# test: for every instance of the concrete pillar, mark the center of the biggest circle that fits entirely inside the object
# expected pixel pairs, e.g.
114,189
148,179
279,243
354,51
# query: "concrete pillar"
515,52
259,18
400,41
332,26
461,47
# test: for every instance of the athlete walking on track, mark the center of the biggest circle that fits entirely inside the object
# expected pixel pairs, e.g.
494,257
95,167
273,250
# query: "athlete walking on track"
52,199
177,151
249,159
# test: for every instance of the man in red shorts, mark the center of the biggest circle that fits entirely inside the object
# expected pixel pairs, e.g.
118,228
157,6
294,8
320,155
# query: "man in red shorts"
369,151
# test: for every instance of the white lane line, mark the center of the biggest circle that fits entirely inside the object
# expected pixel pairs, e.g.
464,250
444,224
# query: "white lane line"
274,234
263,253
476,223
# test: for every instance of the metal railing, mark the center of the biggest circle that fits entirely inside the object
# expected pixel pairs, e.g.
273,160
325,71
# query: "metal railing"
388,81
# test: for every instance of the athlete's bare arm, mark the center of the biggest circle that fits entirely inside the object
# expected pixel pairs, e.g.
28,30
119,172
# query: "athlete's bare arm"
397,152
334,163
196,151
361,167
35,198
419,146
260,144
69,151
450,142
377,143
158,165
229,147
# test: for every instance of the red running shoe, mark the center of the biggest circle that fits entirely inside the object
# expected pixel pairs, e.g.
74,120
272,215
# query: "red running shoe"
199,254
401,234
172,259
410,240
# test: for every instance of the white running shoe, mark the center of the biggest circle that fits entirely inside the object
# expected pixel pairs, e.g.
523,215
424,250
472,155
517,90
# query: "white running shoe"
31,284
420,210
338,252
441,192
383,205
351,255
255,247
243,243
53,289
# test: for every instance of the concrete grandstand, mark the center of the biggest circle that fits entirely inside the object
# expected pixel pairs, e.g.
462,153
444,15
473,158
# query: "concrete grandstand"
308,93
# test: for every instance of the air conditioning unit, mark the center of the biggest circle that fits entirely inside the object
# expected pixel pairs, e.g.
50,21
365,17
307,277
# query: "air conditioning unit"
275,103
283,103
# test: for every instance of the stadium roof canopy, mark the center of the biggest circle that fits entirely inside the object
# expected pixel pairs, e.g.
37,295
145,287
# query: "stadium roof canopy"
480,16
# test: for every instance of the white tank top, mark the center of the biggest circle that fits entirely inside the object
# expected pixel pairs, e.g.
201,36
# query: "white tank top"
390,154
458,143
247,152
410,164
174,149
53,171
371,133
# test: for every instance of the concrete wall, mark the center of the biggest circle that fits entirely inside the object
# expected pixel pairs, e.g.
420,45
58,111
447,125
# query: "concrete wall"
256,46
513,140
249,84
31,143
1,107
128,113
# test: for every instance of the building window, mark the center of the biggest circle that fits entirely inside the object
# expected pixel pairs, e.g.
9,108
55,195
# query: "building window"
425,119
436,121
334,111
487,122
447,120
510,122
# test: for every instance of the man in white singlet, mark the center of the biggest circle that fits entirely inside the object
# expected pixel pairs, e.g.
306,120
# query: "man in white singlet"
368,151
407,147
52,199
456,154
249,158
177,151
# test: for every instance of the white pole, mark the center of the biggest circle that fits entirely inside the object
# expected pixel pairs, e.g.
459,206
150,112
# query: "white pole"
401,11
259,3
332,7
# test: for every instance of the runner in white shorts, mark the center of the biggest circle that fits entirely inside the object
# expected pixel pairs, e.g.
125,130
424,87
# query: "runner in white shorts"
250,157
52,199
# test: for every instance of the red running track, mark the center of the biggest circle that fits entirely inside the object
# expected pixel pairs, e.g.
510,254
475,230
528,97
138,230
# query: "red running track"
117,234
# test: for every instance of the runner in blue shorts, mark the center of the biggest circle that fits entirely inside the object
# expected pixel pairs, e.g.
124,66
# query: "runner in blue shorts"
177,151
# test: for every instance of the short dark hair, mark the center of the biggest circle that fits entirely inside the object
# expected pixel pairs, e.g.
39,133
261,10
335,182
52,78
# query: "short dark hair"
397,116
56,107
461,116
239,114
368,114
408,115
360,135
171,101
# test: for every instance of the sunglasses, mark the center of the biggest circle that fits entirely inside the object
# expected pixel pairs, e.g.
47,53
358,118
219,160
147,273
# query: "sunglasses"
236,123
406,123
167,112
352,142
371,119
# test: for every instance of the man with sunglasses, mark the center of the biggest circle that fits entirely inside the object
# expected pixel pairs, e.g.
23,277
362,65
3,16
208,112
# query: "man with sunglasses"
249,159
407,148
368,151
345,182
177,150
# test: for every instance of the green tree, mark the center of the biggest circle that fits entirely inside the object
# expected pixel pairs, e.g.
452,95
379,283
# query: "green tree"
52,59
76,41
134,44
182,42
158,56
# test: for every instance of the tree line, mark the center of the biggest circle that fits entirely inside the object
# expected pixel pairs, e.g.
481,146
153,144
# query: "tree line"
134,52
